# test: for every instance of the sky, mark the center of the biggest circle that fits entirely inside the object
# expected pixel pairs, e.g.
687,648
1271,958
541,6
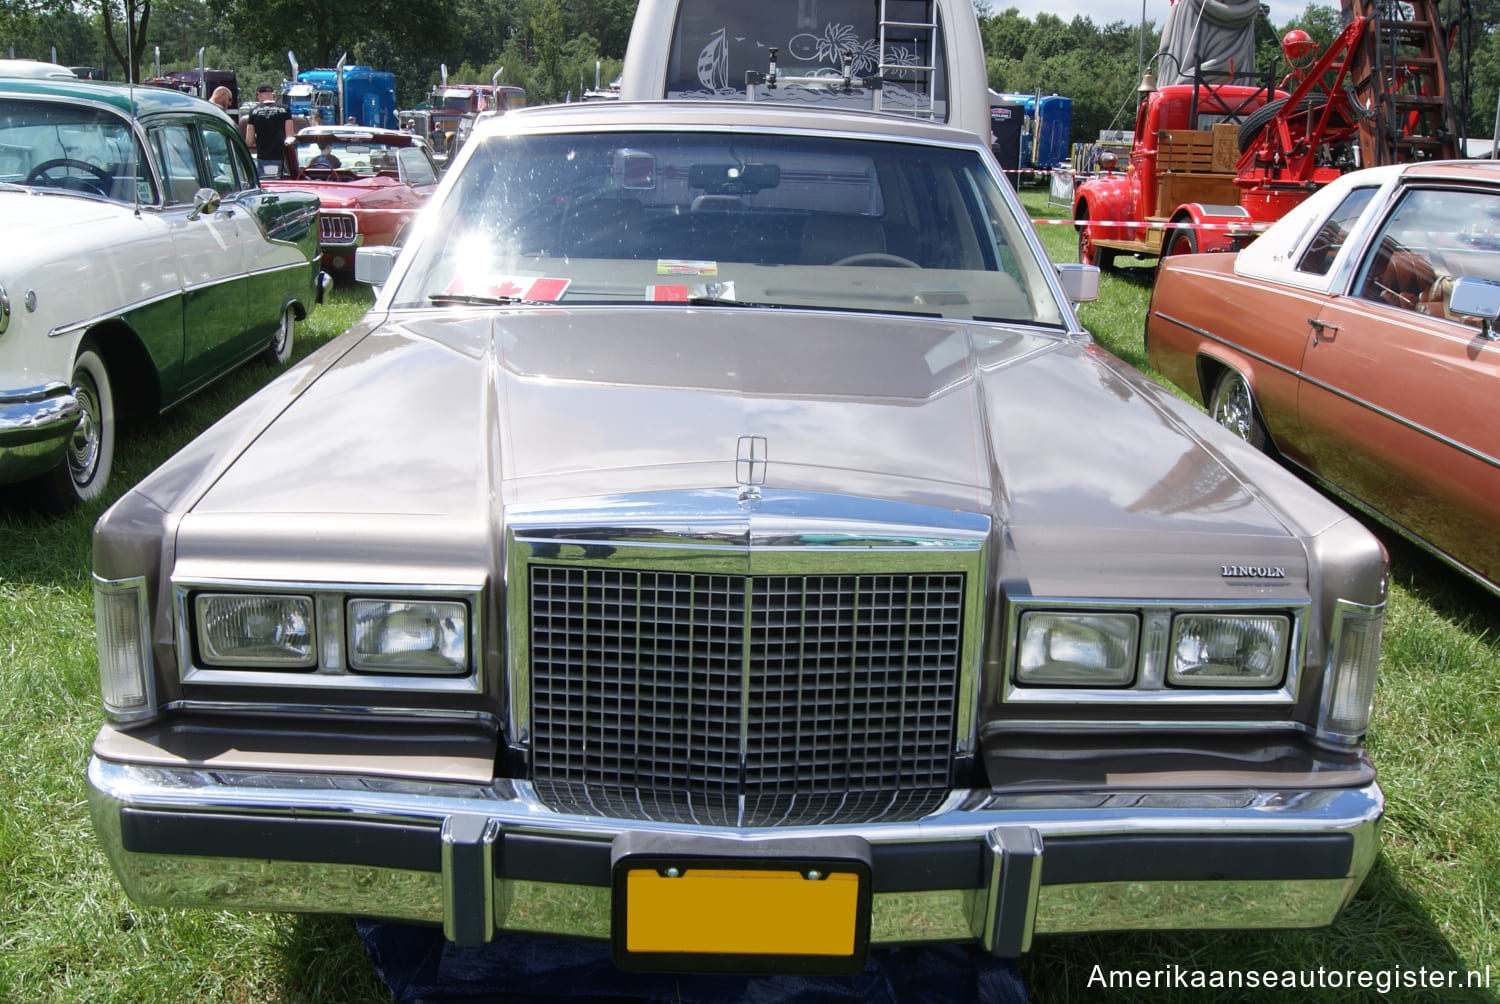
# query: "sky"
1104,13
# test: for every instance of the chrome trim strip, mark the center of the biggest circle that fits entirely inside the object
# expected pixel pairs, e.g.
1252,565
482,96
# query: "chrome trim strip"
1150,679
89,322
332,669
968,815
1421,430
345,711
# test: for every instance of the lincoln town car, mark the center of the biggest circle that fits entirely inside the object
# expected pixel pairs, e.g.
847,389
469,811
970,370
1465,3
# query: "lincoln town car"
721,540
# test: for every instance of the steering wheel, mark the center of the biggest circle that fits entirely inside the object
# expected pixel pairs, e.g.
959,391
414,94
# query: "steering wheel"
878,258
99,185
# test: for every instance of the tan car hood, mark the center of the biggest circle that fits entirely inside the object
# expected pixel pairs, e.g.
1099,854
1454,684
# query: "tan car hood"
447,416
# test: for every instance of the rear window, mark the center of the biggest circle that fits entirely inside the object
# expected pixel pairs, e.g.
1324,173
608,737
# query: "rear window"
715,44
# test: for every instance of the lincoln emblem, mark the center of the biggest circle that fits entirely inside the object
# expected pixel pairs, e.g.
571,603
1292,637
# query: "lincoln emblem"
750,466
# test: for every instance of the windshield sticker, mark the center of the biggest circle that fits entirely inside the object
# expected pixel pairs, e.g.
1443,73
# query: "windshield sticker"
523,287
679,266
682,294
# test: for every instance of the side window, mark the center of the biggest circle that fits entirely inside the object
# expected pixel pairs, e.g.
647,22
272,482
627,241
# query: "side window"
224,173
1435,236
179,163
417,167
1319,256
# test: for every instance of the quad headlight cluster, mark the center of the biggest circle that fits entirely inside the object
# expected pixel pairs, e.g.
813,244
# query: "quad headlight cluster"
400,635
1153,649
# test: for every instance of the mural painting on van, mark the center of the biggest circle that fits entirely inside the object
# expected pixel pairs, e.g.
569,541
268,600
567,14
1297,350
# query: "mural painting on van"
803,55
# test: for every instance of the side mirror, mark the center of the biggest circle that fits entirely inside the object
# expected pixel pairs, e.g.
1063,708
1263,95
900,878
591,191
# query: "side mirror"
1080,283
205,200
373,265
1477,298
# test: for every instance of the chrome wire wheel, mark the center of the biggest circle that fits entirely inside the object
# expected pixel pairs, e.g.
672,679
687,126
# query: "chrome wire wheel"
1233,407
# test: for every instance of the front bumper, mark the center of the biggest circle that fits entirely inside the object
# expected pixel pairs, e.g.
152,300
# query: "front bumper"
478,859
35,424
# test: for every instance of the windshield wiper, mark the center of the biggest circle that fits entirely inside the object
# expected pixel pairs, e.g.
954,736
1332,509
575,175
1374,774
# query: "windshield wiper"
484,300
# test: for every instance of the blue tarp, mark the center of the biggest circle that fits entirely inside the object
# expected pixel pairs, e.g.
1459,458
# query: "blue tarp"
420,967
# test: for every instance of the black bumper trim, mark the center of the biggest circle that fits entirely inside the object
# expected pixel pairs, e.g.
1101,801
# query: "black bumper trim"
903,867
1181,858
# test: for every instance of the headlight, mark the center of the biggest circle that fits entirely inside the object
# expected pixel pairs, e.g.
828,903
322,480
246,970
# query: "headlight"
260,631
1077,649
1218,650
408,636
121,631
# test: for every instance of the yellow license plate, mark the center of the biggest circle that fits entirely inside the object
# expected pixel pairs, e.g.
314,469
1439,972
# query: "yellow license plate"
718,918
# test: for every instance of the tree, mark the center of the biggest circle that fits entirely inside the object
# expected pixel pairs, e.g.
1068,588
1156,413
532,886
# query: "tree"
323,29
125,24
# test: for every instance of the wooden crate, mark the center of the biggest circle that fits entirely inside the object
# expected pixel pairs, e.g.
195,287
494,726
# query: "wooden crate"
1184,150
1176,189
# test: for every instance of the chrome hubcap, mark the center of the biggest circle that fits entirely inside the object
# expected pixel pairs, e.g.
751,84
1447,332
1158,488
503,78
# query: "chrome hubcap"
83,450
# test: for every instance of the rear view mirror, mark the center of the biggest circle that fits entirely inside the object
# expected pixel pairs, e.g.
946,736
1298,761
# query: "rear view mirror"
733,179
372,265
635,170
1080,283
1478,298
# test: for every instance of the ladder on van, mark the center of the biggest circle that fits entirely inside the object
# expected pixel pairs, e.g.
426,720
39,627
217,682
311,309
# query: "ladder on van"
1400,75
908,53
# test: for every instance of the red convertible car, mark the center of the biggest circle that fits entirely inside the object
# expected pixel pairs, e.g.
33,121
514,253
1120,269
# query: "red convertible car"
1355,340
370,182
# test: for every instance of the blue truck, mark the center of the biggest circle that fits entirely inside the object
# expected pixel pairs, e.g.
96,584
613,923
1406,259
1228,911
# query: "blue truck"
341,94
1043,139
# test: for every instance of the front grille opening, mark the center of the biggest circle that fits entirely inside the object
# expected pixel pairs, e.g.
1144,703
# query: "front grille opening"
743,701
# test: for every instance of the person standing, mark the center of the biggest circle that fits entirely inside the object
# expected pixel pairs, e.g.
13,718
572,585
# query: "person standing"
223,97
269,131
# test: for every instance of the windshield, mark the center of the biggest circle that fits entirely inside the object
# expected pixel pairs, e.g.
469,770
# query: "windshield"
72,148
361,159
771,220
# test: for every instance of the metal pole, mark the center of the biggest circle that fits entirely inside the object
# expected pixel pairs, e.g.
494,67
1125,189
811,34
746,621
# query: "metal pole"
1140,59
1495,142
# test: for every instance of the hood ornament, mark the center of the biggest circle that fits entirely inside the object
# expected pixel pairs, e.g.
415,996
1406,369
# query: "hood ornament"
750,467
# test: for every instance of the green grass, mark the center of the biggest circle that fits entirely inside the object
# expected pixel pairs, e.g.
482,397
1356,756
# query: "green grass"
67,932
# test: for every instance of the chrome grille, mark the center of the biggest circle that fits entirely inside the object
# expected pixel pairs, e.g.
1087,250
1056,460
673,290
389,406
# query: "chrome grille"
750,701
336,228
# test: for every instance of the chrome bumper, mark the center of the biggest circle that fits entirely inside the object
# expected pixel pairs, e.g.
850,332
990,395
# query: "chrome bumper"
35,424
478,859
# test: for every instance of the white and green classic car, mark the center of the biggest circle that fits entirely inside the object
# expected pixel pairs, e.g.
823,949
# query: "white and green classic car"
142,260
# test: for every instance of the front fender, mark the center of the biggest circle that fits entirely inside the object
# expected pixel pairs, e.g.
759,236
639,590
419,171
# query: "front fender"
1107,198
1216,226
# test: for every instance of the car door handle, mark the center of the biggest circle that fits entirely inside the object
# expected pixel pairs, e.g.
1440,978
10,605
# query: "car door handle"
1322,331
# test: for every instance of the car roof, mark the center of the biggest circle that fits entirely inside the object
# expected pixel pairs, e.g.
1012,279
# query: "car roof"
1459,170
35,68
144,99
718,115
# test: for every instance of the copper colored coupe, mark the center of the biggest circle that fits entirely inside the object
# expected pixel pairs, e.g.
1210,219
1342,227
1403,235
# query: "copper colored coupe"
1355,341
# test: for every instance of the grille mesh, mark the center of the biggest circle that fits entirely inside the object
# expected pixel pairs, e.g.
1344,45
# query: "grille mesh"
751,701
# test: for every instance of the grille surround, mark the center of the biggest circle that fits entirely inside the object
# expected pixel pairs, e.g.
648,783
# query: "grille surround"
810,690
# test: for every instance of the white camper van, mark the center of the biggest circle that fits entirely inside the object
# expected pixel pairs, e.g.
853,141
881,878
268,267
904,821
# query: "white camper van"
915,57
